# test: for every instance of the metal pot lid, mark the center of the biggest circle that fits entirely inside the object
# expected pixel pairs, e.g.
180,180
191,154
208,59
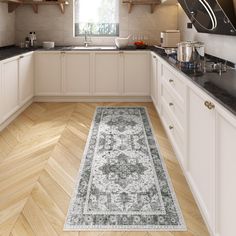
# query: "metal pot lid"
202,13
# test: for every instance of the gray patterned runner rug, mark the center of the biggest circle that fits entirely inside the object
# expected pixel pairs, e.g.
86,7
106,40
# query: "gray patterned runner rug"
123,183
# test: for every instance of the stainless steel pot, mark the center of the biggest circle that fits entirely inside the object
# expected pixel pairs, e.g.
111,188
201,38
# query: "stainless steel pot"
190,51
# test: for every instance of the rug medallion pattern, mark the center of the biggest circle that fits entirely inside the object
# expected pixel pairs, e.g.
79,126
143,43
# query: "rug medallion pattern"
123,182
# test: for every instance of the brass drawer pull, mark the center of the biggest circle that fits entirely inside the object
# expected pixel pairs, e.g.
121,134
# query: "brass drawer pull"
209,105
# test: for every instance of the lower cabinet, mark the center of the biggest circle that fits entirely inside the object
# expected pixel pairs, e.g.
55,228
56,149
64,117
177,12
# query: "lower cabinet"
107,74
136,74
154,79
26,78
10,84
225,173
77,73
48,74
201,143
113,73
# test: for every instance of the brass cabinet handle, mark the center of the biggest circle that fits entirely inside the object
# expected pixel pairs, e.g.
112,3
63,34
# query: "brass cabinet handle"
209,105
171,127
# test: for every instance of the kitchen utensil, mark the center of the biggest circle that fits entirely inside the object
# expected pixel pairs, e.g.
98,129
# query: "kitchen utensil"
190,51
48,45
122,42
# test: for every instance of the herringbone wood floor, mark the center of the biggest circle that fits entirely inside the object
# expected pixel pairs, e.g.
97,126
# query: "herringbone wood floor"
40,155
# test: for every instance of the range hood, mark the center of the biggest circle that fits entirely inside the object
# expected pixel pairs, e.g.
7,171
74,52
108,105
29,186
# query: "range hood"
211,16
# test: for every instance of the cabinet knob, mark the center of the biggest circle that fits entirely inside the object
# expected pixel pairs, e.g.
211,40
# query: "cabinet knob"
171,104
171,127
154,57
21,57
171,80
63,52
209,105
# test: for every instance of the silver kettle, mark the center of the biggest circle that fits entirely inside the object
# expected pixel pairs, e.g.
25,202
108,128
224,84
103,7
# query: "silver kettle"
190,51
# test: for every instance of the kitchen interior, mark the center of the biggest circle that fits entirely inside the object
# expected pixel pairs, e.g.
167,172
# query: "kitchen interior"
175,58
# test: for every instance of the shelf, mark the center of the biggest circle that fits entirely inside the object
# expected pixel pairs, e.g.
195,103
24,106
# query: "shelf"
151,3
13,4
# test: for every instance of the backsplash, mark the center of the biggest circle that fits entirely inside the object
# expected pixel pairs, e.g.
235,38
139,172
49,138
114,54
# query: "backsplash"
50,24
222,46
7,26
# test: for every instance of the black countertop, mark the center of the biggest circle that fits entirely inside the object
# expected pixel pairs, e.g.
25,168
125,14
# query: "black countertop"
11,51
221,88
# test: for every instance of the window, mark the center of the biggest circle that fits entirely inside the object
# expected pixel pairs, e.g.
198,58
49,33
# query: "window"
97,17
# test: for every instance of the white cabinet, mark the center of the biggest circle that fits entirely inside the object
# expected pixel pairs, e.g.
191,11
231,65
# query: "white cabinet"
201,145
154,77
1,95
48,76
225,173
136,73
77,73
26,78
10,92
107,74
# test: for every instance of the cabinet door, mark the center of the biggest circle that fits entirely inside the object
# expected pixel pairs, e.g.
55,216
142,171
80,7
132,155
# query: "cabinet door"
106,74
226,174
154,78
136,74
1,95
10,87
77,73
48,73
26,78
201,152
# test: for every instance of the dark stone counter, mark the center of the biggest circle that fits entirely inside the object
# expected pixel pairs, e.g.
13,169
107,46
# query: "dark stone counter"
221,88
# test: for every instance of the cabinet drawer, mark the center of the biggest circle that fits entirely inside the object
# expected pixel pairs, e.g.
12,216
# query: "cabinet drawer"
174,82
173,130
175,107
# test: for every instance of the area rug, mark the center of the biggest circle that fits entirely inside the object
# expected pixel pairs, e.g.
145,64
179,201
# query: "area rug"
123,183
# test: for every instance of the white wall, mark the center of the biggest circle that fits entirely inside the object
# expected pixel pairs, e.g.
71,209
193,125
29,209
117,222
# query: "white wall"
7,26
222,46
50,24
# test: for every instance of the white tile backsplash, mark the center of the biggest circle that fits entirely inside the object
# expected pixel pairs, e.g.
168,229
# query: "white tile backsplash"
50,24
7,26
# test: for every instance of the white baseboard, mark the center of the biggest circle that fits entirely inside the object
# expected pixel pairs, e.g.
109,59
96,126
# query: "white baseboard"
15,114
91,99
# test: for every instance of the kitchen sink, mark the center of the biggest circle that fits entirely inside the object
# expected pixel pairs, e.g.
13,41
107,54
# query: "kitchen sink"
91,48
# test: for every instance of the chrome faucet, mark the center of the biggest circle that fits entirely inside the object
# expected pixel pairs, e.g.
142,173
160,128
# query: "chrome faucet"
87,39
